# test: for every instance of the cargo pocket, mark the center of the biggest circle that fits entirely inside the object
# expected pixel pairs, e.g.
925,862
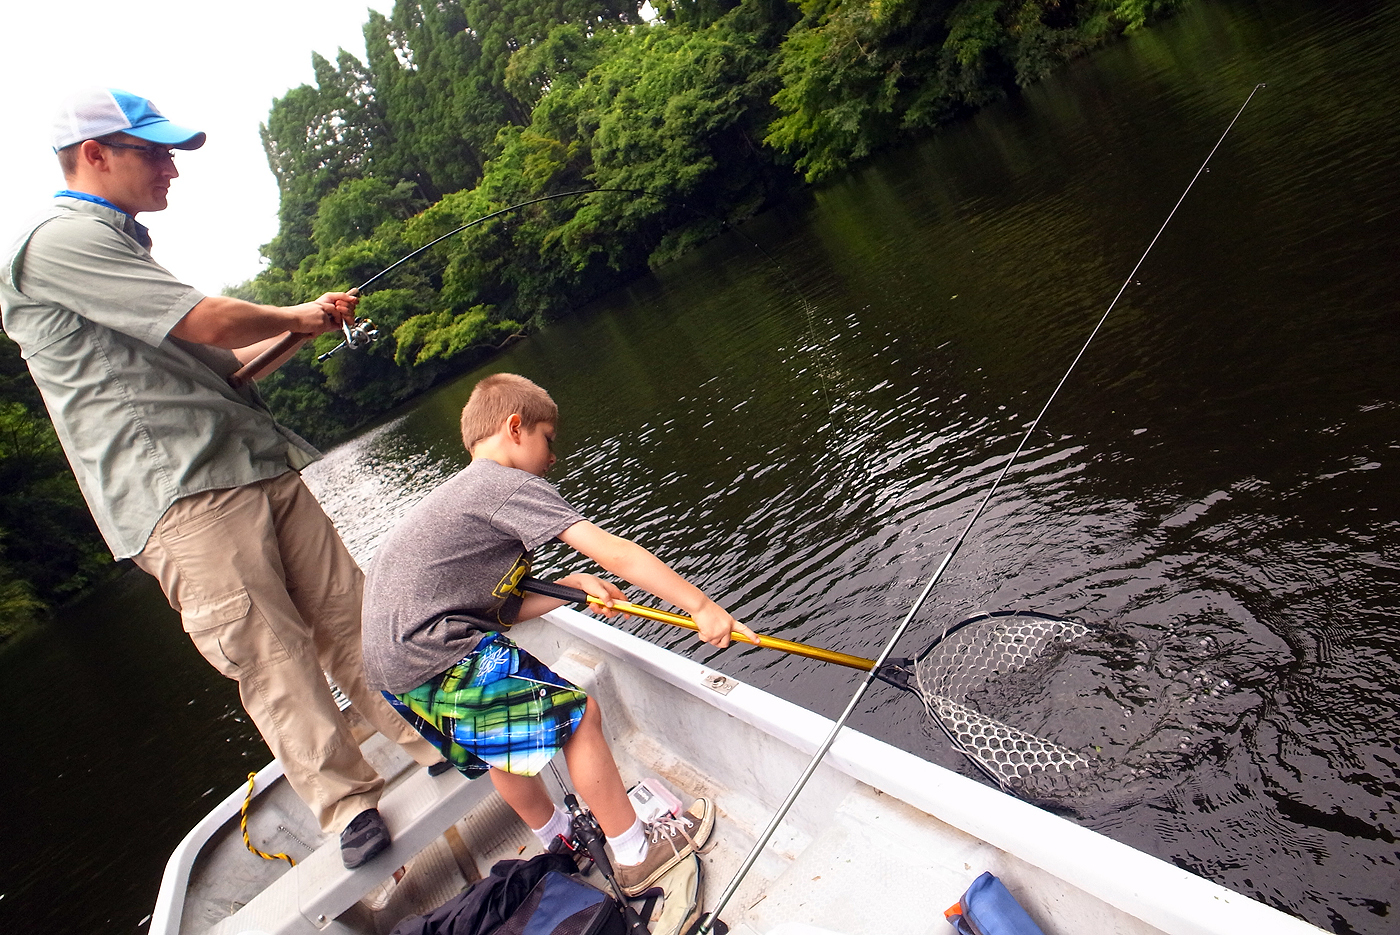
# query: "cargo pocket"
232,634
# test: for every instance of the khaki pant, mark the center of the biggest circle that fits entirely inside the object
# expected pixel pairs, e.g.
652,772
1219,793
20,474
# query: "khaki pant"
271,597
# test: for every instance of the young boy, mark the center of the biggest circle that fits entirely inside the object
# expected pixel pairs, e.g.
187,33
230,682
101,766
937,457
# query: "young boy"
441,593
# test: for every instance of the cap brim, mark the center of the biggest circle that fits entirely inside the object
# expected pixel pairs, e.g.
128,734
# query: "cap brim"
168,134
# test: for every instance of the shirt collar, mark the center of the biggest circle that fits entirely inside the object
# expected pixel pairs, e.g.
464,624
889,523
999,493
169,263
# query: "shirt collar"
143,236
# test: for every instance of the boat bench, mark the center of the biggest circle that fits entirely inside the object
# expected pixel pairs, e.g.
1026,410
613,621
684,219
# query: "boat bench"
307,898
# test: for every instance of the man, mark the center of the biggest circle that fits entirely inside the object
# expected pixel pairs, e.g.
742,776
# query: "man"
186,475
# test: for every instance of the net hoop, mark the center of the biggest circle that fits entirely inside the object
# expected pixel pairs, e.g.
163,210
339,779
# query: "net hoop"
962,659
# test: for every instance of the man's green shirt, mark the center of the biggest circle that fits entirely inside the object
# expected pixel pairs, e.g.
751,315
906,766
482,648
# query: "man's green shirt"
145,418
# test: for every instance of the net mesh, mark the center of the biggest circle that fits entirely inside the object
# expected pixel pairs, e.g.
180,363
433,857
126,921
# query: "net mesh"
980,649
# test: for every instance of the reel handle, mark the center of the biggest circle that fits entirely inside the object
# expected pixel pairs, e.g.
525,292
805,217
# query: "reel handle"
591,837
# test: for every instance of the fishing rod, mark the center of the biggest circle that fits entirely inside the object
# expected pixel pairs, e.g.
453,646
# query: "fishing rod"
711,922
585,829
363,333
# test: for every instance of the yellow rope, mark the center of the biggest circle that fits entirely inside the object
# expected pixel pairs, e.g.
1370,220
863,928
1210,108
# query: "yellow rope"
243,824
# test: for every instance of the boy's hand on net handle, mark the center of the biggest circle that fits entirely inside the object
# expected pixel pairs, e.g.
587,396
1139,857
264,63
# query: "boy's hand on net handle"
593,592
613,606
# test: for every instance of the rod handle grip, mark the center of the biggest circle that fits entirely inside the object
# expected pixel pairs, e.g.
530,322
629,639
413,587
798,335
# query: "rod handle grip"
255,368
558,591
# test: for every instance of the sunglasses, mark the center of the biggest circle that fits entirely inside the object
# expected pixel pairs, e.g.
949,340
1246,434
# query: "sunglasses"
151,151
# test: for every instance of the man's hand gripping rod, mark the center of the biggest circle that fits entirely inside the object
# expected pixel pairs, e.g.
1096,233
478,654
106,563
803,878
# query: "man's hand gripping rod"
357,337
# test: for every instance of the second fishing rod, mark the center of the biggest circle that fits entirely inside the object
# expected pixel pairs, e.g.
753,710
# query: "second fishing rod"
711,922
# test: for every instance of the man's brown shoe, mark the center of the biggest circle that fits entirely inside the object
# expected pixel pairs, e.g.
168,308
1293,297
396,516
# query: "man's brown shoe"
669,841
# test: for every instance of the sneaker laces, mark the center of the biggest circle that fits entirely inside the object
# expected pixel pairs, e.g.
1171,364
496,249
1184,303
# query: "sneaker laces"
668,827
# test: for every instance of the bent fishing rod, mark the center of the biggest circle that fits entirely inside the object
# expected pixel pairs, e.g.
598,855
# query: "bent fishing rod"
711,922
362,333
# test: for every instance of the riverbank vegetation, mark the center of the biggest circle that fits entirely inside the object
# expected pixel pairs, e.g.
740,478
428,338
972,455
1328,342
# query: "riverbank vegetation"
50,550
697,119
690,120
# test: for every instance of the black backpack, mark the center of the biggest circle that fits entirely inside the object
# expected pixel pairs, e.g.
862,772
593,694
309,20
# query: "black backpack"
564,905
539,896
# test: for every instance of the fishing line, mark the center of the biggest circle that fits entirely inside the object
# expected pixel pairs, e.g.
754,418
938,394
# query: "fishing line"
495,214
807,307
707,924
363,333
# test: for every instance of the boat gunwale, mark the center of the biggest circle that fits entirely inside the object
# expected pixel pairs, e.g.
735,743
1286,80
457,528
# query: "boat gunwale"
174,882
1148,888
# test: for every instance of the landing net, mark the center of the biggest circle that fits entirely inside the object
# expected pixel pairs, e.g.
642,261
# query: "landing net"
969,655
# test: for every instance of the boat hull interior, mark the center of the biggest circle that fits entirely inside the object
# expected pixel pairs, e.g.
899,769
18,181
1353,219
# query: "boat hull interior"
880,842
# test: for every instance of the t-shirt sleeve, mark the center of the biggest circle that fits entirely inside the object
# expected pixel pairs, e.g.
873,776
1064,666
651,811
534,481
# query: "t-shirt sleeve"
94,270
534,514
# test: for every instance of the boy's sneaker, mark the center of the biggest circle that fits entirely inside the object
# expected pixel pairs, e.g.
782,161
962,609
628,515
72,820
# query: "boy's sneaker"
363,839
669,841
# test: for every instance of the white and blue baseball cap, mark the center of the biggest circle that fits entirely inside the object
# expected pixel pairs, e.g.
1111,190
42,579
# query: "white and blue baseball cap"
97,112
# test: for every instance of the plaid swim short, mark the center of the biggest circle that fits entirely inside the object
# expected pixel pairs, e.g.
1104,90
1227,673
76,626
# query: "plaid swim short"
499,706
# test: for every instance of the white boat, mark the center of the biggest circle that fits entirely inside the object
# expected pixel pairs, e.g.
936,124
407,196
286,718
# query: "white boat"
879,843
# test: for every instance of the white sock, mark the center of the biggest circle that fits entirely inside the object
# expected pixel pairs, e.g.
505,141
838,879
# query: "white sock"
557,825
630,846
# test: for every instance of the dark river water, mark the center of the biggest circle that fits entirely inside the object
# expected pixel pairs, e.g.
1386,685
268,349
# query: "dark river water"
1214,491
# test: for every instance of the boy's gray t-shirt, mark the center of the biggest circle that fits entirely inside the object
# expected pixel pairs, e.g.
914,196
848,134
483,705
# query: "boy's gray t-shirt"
447,571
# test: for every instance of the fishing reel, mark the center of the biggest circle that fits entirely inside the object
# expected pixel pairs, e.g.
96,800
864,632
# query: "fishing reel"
357,337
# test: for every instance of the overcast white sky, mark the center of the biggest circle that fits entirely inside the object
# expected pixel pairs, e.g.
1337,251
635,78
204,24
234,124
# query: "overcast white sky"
213,67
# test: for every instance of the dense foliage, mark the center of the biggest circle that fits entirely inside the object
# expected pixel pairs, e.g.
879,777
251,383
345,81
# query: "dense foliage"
465,107
700,117
49,546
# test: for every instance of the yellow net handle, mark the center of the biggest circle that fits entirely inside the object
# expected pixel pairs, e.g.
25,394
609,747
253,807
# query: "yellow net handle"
579,596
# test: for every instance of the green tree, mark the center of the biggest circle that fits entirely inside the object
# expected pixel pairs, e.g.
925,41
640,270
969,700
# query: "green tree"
425,63
357,207
469,106
858,74
50,549
696,14
443,335
315,139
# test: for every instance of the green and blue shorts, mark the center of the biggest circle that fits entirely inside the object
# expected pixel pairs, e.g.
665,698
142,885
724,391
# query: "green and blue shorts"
499,706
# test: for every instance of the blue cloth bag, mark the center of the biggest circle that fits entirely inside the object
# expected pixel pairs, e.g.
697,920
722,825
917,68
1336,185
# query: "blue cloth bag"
988,908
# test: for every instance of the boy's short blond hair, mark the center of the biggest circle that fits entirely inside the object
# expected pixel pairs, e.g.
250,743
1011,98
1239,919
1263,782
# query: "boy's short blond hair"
499,396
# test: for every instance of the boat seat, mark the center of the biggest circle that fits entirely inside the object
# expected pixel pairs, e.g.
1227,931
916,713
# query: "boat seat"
307,898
